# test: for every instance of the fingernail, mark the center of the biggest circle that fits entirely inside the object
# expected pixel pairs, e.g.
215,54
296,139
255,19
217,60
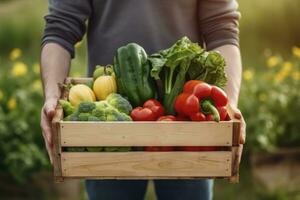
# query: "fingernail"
237,115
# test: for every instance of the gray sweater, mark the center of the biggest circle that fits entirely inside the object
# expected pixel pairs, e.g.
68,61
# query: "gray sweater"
154,24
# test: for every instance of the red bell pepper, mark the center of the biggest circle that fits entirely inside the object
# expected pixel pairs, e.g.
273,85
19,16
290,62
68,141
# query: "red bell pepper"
150,111
200,98
189,86
199,116
209,117
223,113
167,118
186,104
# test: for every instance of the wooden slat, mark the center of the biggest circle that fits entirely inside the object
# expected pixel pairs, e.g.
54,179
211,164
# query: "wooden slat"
78,80
236,132
236,126
146,165
146,134
56,141
236,152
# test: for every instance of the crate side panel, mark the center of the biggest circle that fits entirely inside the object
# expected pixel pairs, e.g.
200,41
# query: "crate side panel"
147,164
146,134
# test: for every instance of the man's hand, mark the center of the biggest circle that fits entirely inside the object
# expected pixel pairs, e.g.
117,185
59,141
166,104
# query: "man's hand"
47,114
55,62
233,70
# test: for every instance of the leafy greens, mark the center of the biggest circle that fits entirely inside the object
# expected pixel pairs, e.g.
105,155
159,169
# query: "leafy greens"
185,60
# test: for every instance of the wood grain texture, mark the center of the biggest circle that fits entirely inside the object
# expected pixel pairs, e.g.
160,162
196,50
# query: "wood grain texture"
78,80
146,134
236,126
147,165
56,141
235,165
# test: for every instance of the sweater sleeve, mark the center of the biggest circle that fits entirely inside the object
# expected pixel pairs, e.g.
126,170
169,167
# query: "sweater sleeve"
66,22
218,20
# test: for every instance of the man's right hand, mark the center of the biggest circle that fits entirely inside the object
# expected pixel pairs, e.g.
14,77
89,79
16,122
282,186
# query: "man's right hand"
47,114
55,62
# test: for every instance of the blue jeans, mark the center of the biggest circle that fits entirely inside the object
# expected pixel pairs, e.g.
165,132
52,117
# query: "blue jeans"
135,189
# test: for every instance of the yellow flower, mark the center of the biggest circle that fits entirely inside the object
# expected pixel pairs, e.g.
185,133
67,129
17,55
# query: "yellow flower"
37,85
273,61
36,68
287,67
15,54
12,103
262,97
1,95
19,69
284,71
296,51
78,44
280,76
296,75
248,75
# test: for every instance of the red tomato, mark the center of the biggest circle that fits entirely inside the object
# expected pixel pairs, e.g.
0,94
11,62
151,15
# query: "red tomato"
142,114
155,106
167,118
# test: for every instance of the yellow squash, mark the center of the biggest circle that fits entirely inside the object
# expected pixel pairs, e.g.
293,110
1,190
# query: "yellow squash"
103,86
79,93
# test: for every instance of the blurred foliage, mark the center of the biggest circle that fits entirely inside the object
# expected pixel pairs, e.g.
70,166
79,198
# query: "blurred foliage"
21,145
270,102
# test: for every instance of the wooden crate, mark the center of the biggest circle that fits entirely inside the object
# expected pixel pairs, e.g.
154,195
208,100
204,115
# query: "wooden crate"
145,165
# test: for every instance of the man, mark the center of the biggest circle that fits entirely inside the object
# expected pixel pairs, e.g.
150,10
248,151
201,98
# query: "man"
155,25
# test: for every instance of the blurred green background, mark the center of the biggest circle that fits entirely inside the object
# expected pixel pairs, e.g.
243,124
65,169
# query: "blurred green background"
270,100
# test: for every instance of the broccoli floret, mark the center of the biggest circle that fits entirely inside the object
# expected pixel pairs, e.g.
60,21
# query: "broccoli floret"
101,105
84,116
117,149
112,114
86,107
99,113
94,149
111,111
118,117
67,107
119,102
74,149
93,119
73,117
124,117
